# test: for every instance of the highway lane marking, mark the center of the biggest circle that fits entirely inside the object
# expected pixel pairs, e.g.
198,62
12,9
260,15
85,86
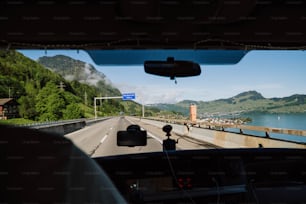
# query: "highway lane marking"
78,131
156,138
103,139
148,133
159,140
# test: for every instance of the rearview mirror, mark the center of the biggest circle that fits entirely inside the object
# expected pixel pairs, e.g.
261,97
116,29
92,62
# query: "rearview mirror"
172,68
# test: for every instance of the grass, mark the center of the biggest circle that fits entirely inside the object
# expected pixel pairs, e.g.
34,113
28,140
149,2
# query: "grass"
16,121
87,111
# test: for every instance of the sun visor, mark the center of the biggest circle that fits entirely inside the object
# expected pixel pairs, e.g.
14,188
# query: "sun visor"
137,57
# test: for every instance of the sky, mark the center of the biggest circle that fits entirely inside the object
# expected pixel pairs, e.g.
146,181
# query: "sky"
271,73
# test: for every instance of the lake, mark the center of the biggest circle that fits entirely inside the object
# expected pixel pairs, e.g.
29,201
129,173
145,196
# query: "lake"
287,121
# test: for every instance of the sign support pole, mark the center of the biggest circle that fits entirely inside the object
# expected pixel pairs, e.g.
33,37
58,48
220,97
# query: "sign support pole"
107,97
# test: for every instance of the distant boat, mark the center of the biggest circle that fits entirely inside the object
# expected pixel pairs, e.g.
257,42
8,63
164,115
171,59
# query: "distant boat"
278,118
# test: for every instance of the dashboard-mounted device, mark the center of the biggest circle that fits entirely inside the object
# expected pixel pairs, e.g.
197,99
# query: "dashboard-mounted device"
133,136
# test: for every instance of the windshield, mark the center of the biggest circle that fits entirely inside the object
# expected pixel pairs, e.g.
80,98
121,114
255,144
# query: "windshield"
240,100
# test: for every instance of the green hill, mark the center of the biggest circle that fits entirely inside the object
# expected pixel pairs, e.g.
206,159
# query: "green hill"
60,87
76,70
250,101
46,95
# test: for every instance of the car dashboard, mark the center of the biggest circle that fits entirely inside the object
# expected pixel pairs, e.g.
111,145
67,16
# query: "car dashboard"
214,176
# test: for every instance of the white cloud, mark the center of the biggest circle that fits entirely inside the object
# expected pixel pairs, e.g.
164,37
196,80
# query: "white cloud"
150,94
69,77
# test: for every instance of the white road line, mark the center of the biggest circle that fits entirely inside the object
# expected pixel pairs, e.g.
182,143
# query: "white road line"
78,131
103,139
150,134
129,121
153,136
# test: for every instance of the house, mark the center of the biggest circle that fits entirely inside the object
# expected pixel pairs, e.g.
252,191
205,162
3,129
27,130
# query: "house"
8,108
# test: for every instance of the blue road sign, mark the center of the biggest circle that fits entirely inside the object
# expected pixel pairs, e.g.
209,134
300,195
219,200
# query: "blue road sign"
128,96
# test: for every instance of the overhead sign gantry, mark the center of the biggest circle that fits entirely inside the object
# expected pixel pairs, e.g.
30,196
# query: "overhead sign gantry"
125,97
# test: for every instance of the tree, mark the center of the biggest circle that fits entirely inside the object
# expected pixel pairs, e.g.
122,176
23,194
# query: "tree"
72,111
50,103
27,107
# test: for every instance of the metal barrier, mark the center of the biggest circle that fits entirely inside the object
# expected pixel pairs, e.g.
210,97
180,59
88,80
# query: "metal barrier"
63,126
241,128
227,139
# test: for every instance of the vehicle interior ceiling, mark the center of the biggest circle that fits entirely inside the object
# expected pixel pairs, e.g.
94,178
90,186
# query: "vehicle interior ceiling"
246,175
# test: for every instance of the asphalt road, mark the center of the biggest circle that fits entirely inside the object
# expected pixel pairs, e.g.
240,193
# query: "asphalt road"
100,139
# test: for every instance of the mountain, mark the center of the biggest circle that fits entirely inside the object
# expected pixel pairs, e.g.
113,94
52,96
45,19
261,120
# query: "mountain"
250,101
45,95
76,70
